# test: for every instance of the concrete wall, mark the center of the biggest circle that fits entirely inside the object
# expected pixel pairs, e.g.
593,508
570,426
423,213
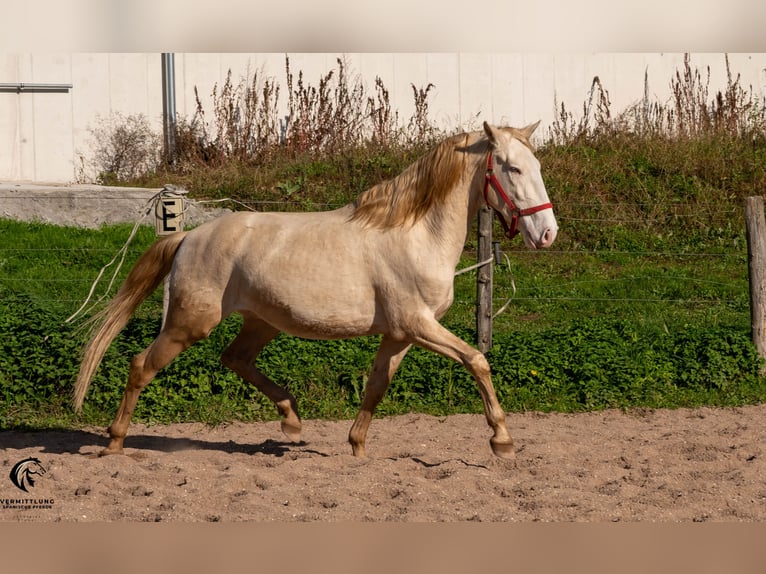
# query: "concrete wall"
46,137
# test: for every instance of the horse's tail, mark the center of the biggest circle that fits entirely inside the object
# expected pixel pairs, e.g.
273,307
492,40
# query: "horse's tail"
152,267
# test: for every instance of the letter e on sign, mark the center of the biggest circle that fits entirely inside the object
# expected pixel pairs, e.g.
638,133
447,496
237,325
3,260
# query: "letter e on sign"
170,215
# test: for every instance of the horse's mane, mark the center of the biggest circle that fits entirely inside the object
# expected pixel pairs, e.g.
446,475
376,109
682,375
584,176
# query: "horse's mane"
414,193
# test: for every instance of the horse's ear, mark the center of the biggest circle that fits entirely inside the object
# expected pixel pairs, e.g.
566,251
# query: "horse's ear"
492,134
529,130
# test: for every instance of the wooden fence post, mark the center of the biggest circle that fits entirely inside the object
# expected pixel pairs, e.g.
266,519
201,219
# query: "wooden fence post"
484,282
756,259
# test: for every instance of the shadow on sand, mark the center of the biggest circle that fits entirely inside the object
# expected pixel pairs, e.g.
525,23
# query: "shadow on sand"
74,441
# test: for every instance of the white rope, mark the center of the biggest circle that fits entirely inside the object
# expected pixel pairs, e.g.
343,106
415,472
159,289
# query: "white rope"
225,199
171,191
472,267
486,262
513,286
150,204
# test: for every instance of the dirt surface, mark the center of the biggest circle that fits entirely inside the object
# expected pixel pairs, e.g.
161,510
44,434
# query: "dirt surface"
647,465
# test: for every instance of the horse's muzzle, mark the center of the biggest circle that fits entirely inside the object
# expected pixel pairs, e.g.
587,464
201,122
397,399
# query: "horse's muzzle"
547,238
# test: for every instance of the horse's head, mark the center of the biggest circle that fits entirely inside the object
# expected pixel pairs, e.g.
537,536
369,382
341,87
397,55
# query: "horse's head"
514,188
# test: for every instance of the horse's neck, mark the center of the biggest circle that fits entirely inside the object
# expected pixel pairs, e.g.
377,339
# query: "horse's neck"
458,212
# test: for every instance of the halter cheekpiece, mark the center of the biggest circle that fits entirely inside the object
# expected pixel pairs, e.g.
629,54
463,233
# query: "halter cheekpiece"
491,180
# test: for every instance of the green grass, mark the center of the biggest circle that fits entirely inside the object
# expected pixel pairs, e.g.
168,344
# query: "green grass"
56,266
658,288
586,330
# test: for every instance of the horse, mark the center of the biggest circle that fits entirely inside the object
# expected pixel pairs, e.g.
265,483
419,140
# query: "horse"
381,265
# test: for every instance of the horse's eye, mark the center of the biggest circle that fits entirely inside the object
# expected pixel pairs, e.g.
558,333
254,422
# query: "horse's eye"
514,169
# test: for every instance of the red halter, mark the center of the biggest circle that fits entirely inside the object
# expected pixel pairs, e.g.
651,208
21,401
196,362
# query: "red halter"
490,179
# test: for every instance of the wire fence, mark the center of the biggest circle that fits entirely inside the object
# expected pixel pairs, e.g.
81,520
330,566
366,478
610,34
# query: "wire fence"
554,289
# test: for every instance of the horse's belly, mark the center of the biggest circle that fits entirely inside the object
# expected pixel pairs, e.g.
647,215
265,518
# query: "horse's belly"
320,322
315,309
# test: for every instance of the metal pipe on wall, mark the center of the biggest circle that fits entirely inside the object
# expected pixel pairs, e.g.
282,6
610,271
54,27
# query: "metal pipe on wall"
169,105
34,87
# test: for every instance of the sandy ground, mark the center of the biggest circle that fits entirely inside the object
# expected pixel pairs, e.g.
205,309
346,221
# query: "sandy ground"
648,465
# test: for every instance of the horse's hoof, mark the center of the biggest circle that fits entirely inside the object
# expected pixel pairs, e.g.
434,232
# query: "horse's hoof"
503,449
115,445
291,422
359,450
291,431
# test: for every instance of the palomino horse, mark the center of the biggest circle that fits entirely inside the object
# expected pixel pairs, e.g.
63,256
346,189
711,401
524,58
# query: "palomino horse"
383,265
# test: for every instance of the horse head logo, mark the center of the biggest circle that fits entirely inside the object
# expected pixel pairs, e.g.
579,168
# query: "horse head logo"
24,473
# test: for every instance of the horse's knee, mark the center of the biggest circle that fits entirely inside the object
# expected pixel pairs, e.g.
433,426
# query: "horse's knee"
478,365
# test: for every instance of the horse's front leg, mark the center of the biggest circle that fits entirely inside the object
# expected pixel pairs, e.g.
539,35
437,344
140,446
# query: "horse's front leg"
433,336
387,360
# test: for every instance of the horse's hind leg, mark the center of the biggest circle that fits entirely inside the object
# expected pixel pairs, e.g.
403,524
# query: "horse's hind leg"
143,368
240,357
389,356
433,336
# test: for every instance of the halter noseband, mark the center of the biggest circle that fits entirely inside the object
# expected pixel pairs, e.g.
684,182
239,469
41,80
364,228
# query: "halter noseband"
491,179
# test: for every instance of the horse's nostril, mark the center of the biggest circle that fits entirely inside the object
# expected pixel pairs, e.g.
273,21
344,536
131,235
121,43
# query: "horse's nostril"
547,238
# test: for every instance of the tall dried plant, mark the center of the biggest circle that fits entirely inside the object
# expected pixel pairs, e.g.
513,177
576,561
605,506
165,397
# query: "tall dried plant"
383,119
690,113
421,129
331,117
596,118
